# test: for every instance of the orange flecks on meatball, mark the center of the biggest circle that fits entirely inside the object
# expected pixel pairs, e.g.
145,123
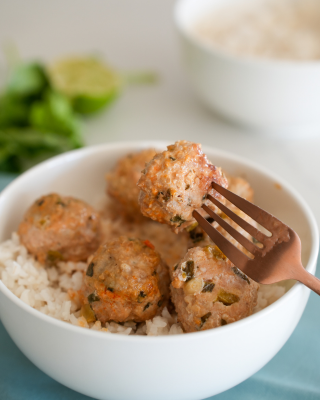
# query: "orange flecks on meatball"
176,182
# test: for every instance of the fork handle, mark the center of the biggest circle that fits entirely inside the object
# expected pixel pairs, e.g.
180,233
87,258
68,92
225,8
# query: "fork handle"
309,280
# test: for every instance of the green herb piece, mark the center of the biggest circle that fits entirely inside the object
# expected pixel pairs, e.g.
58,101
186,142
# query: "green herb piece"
188,270
192,226
204,319
20,149
177,219
172,158
240,274
53,257
26,80
215,252
167,196
61,203
196,236
210,220
93,297
141,296
90,270
146,306
54,114
227,298
204,197
187,187
175,267
14,112
110,289
88,313
40,202
208,287
160,302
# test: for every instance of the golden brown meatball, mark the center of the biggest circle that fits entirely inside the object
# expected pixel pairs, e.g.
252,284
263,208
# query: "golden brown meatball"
126,280
176,182
122,181
209,291
58,228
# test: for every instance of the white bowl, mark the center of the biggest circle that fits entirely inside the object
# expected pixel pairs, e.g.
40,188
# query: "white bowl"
265,94
186,367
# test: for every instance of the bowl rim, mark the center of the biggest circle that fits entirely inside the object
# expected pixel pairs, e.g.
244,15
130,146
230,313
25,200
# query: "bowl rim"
86,151
256,61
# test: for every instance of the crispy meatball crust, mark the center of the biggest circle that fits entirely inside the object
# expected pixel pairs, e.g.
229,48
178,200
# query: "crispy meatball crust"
176,182
126,280
209,291
57,228
122,181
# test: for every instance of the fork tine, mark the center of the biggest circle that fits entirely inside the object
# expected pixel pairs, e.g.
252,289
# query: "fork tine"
241,222
265,219
233,253
233,232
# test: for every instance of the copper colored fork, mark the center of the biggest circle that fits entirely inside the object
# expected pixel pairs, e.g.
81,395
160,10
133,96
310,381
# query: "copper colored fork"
279,256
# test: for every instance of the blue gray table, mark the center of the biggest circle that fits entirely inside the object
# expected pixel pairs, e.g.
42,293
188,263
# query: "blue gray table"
294,373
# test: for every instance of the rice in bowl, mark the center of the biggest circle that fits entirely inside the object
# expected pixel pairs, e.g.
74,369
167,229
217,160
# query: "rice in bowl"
50,291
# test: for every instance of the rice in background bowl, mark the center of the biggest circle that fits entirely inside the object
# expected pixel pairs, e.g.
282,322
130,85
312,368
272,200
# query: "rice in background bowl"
67,353
273,96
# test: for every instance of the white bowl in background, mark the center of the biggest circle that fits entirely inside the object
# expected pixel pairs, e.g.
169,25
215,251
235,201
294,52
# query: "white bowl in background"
268,95
182,367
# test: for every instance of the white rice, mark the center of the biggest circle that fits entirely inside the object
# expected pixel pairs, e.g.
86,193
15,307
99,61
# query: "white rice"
286,29
51,291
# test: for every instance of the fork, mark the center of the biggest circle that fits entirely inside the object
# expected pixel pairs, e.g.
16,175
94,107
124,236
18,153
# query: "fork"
279,257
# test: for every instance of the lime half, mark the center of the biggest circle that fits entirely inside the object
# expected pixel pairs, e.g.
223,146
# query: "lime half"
88,83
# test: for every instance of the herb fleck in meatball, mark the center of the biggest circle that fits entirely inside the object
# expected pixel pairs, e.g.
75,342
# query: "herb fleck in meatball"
176,182
57,228
122,181
126,280
209,291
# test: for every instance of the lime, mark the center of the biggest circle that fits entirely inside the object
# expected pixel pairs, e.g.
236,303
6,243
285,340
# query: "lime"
87,82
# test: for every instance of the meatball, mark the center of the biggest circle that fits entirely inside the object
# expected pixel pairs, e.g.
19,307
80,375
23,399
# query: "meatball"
126,280
122,181
176,182
57,228
209,291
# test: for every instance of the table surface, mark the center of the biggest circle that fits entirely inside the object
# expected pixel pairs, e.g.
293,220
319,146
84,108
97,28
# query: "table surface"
140,35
